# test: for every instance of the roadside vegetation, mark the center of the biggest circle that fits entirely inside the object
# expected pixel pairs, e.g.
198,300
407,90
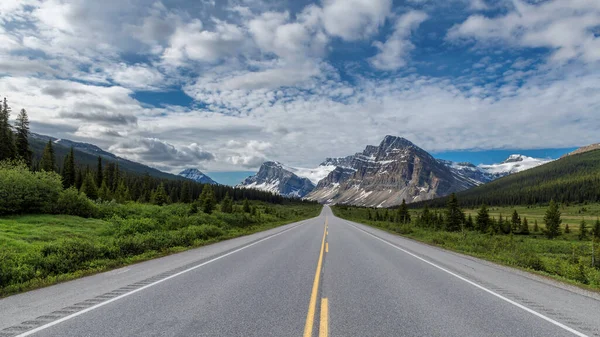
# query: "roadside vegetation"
555,240
62,222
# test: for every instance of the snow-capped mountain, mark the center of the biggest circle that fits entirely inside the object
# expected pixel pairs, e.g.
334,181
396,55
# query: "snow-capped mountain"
278,178
197,176
384,175
515,163
485,173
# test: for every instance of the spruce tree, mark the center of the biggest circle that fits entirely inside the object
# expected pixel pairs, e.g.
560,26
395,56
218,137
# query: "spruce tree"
515,222
48,162
552,220
88,186
159,195
425,219
567,229
99,172
403,215
454,214
104,192
483,219
524,227
207,199
68,173
536,228
22,141
227,204
469,223
186,193
7,143
583,232
246,206
596,230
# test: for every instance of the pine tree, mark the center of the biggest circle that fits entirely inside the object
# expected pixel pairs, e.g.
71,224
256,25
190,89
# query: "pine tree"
88,186
524,227
515,222
227,204
583,232
536,228
425,219
48,162
122,193
483,219
7,143
454,214
186,193
207,199
567,229
552,220
159,195
596,230
246,206
469,223
104,192
99,175
403,215
22,141
68,173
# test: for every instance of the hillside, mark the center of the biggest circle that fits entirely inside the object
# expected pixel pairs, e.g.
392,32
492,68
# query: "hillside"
87,155
574,178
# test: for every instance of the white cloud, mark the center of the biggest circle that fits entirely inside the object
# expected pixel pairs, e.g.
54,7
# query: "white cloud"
565,27
137,76
394,52
191,41
354,19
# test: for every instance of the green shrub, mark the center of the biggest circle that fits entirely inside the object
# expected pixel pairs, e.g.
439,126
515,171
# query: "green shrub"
24,191
124,227
73,202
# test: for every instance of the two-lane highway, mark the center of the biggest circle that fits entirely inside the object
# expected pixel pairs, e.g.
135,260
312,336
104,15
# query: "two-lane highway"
321,277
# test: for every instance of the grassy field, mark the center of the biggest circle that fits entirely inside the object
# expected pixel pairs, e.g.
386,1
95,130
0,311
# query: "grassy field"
571,215
40,250
565,258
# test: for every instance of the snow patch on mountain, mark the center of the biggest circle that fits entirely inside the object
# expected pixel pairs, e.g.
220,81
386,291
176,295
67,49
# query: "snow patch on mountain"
515,163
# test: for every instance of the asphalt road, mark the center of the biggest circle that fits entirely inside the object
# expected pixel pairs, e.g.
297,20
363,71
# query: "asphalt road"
320,277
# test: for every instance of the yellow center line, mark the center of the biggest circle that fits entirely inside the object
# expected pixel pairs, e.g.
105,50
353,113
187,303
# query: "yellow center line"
324,326
310,317
326,247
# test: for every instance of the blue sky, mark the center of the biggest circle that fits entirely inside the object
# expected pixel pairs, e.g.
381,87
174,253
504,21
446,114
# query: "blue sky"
225,85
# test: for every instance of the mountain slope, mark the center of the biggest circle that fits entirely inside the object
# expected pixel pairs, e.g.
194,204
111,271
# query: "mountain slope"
384,175
197,176
574,178
87,155
275,177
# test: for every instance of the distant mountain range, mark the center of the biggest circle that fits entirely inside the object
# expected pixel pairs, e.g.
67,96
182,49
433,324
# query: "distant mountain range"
383,176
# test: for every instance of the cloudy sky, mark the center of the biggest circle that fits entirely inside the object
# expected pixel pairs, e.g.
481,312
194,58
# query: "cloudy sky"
226,84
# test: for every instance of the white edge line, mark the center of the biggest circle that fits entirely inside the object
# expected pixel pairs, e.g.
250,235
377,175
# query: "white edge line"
573,331
53,323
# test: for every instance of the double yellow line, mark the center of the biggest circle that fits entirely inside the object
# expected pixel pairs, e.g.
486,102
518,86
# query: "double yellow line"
312,306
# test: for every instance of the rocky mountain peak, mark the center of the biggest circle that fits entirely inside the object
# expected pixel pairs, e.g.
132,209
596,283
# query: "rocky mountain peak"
513,158
197,176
